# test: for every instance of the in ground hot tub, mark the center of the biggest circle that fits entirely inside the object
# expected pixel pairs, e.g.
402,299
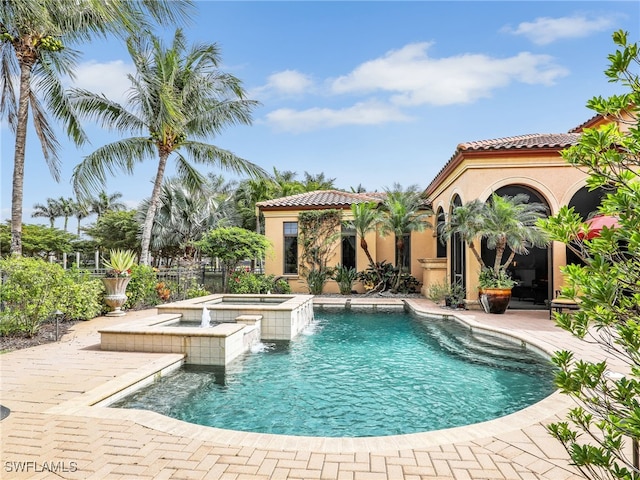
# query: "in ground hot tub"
283,316
236,323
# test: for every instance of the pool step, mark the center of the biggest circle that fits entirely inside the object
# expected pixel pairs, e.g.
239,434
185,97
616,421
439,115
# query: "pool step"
481,349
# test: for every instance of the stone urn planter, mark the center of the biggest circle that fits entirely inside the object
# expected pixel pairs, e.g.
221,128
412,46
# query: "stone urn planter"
116,294
494,300
116,280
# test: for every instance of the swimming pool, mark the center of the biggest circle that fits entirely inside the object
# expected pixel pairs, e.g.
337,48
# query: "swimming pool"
356,375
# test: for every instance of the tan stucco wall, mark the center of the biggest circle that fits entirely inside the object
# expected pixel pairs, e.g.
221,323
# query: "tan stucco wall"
476,178
380,247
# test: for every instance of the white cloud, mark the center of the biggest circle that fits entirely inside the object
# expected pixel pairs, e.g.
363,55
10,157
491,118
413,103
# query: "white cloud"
285,83
416,79
108,78
366,113
545,30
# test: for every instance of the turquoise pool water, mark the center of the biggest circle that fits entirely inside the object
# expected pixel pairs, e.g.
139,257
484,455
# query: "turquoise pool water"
355,375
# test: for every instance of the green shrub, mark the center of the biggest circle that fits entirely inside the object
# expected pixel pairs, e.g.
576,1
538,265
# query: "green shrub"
437,291
242,282
345,276
316,280
31,290
280,286
141,291
196,290
369,277
81,299
408,284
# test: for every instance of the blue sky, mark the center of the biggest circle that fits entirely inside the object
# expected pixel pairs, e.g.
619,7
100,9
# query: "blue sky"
369,93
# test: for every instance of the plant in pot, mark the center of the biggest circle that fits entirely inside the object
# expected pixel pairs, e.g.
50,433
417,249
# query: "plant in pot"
116,279
507,223
455,297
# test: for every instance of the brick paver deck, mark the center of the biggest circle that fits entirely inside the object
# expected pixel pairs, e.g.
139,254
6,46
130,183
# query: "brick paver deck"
56,428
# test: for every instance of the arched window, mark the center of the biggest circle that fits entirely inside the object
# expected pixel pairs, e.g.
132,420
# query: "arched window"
457,243
441,245
531,272
585,203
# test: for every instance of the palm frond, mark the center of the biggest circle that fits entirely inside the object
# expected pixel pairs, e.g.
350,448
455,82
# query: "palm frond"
9,72
59,103
207,154
110,114
90,175
189,176
46,135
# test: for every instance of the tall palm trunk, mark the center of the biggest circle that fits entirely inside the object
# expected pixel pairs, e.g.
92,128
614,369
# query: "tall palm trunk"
145,254
27,60
399,253
500,249
365,246
474,250
399,265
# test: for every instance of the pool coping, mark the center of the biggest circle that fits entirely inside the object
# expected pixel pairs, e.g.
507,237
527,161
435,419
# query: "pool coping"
92,403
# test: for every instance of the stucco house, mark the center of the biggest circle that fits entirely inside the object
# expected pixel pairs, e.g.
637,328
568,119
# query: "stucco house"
281,227
530,164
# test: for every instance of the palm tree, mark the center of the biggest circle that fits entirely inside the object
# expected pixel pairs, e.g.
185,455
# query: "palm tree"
317,182
285,183
51,211
177,95
104,202
404,212
511,222
248,193
185,214
504,222
81,210
67,209
466,221
34,39
366,218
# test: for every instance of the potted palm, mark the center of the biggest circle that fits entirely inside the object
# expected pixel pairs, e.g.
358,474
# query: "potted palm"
116,279
505,222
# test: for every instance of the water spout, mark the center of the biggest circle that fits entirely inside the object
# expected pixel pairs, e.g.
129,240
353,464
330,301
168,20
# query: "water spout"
206,318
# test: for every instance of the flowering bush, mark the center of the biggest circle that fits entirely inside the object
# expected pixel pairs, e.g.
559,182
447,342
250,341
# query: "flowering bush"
163,291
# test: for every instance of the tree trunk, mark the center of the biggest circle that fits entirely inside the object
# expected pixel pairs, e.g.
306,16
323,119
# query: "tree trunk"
500,248
473,249
145,254
399,252
399,266
365,246
26,65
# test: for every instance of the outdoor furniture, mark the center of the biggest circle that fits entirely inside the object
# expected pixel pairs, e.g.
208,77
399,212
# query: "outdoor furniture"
561,303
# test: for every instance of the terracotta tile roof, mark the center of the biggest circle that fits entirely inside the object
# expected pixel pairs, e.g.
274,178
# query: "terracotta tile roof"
535,140
587,124
532,141
322,198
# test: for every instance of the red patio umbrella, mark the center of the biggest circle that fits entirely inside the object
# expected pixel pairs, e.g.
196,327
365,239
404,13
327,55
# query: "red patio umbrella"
595,225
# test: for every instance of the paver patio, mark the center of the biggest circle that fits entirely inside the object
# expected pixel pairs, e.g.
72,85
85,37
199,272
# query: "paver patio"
56,428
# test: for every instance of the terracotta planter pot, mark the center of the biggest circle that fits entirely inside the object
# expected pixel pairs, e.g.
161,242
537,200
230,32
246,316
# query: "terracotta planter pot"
116,294
494,300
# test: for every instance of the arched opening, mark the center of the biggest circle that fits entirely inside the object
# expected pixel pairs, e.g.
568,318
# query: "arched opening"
585,203
441,245
457,246
531,272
